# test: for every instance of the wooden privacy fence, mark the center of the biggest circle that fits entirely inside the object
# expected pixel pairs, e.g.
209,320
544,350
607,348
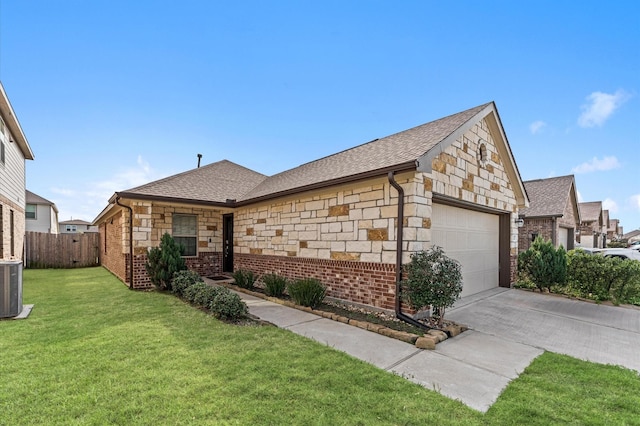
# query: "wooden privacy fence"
61,250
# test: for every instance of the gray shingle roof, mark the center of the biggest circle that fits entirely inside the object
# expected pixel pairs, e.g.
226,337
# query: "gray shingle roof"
548,197
380,154
591,211
32,198
214,183
218,182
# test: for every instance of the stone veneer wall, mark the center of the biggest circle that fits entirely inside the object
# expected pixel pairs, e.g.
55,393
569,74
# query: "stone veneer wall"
111,254
336,229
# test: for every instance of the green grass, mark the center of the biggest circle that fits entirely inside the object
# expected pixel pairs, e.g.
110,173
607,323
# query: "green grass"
94,352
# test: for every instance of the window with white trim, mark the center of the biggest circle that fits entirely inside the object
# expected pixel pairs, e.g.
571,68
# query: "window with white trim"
30,211
185,233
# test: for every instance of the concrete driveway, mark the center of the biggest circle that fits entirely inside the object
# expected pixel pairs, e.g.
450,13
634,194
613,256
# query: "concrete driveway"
588,331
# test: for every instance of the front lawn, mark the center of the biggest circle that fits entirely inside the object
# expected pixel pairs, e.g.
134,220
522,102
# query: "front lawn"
94,352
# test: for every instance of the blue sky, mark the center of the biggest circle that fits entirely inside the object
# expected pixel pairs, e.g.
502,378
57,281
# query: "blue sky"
114,94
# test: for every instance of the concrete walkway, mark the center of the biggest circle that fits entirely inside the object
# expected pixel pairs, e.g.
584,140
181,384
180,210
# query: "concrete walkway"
509,328
462,368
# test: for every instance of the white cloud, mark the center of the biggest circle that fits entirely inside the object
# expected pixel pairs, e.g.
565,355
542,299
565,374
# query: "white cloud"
635,201
599,107
537,126
88,199
609,204
597,165
580,199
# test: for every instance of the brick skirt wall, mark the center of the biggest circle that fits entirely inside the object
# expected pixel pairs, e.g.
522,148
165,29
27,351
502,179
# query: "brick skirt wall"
205,264
367,283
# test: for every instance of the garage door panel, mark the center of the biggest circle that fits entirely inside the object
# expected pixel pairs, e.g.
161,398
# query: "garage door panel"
471,238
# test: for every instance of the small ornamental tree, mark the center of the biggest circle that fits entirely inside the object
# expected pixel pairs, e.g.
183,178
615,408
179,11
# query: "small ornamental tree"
433,280
543,264
164,261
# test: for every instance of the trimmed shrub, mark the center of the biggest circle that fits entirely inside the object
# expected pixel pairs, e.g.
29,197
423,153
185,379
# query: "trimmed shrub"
164,261
196,293
228,305
244,278
307,292
274,284
433,280
183,280
543,264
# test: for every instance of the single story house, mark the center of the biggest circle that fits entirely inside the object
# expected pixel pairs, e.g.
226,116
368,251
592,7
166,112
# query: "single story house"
591,225
552,213
351,219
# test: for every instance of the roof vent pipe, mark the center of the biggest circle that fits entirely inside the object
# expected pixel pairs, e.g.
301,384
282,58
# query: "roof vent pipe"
199,157
399,228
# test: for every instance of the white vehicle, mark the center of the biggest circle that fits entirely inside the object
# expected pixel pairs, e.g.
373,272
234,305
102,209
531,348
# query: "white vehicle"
621,253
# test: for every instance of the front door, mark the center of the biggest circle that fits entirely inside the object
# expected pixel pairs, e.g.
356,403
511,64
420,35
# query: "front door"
227,243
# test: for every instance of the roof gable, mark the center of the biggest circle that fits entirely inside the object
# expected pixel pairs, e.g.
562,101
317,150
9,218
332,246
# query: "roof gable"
549,197
591,211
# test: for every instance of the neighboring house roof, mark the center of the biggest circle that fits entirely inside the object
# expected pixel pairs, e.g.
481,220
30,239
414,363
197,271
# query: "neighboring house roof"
632,234
591,211
11,120
32,198
413,149
549,197
75,222
213,183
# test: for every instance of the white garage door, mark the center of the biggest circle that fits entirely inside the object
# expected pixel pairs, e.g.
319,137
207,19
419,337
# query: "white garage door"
563,238
471,238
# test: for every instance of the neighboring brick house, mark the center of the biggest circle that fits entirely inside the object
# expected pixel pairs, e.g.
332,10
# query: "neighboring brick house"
77,226
336,218
591,225
613,231
14,151
552,213
41,214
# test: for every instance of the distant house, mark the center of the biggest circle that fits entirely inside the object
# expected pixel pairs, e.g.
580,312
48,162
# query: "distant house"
632,236
14,151
591,225
41,214
605,227
552,213
351,219
77,226
614,230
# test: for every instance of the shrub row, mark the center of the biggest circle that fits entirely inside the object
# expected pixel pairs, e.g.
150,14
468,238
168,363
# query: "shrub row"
305,292
580,274
221,301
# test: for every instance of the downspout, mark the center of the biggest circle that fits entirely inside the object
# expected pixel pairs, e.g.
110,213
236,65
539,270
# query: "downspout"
399,242
130,241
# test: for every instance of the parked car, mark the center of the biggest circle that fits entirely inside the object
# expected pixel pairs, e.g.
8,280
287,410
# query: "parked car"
622,253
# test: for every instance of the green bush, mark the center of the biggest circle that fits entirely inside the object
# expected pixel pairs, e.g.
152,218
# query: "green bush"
228,305
197,293
307,292
164,261
244,278
543,264
433,280
603,278
274,284
183,280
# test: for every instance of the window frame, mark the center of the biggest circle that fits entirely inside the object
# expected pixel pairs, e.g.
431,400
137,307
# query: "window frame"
177,236
35,211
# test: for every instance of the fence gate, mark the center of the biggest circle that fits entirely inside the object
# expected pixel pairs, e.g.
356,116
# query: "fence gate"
61,250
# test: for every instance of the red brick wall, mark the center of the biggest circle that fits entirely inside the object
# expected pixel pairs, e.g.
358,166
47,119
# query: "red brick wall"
542,227
205,264
367,283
